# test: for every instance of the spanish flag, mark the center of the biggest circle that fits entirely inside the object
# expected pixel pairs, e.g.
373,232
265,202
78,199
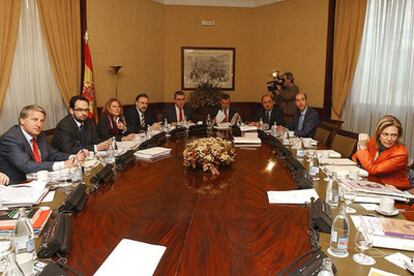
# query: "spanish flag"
88,90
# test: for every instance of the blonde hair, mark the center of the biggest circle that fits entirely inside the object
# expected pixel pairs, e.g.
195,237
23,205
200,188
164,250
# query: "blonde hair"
386,121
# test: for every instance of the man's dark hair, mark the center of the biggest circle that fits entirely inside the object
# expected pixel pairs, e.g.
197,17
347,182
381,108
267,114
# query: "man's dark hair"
141,95
289,76
178,93
225,96
302,93
76,98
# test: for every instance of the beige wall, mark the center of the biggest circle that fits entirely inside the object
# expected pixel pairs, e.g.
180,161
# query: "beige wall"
146,38
130,33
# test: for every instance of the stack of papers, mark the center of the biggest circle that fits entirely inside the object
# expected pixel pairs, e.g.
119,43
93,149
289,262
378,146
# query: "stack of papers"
248,128
325,153
127,145
23,194
388,232
153,153
132,258
343,171
247,142
337,161
292,197
368,191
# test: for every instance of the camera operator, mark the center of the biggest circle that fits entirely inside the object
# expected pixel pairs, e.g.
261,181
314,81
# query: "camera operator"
285,96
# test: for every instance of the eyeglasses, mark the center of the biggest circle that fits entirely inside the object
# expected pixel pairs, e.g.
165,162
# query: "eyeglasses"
81,109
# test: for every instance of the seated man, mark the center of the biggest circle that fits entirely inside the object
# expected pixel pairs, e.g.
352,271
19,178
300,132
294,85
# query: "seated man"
225,112
76,131
269,113
306,118
24,149
179,111
4,179
138,118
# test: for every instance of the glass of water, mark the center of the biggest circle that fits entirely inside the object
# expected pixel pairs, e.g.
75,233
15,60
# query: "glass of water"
363,240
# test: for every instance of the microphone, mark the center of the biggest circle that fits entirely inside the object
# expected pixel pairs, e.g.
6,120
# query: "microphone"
104,175
124,160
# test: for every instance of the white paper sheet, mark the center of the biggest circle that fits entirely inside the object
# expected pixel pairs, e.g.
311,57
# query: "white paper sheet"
132,258
292,197
399,259
337,161
49,197
23,194
247,140
369,207
248,128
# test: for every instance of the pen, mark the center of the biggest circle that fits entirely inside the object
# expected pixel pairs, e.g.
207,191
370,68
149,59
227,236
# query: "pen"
81,148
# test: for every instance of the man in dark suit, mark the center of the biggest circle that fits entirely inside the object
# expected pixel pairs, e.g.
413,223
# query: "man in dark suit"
24,149
225,112
269,113
76,131
138,118
178,112
306,118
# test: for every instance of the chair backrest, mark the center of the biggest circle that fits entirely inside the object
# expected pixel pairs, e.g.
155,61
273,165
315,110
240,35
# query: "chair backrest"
345,142
325,132
332,123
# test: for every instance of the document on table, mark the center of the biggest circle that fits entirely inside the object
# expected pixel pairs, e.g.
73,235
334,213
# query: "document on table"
292,197
132,258
27,194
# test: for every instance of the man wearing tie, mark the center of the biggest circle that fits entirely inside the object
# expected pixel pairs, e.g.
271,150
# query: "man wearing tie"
76,131
306,118
138,117
24,149
180,111
225,112
269,113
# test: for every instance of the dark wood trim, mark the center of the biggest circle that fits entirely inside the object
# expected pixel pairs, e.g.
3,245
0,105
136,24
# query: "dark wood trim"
209,48
327,102
84,27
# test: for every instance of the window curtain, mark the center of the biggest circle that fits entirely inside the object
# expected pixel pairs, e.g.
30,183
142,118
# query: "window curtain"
31,80
9,24
384,79
61,24
349,24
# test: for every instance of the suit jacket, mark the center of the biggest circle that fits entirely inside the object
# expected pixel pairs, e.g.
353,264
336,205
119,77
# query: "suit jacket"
107,130
310,122
133,120
231,113
275,116
171,114
69,139
390,167
16,155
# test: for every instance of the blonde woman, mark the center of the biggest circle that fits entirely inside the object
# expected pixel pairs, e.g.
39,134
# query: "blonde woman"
384,156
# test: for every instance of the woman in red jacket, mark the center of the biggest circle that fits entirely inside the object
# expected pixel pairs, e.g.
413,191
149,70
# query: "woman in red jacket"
384,156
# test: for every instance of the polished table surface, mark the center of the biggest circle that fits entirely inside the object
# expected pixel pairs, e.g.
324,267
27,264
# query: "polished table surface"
220,227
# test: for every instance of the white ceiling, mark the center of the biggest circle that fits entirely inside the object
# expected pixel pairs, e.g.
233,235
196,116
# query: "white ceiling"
220,3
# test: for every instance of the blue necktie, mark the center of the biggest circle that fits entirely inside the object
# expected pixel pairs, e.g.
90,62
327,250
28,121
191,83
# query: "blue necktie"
300,124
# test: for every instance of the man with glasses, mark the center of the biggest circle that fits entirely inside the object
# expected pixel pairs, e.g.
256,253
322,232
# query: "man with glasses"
76,131
24,149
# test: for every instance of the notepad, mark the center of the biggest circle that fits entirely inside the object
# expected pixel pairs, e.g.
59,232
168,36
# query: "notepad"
152,153
292,197
337,161
247,140
23,194
132,258
248,128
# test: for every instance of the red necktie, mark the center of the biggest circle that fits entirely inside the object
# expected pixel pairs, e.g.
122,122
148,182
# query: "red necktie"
181,115
226,119
36,152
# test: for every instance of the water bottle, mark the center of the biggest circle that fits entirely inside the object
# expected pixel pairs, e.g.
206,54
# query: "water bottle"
338,245
209,123
332,191
314,167
111,151
261,125
274,129
326,268
148,133
12,268
23,234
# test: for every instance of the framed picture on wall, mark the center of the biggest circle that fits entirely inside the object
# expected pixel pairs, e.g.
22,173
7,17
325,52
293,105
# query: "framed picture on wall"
200,64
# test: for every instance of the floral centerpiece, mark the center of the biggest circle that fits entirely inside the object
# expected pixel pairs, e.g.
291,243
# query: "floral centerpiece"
209,154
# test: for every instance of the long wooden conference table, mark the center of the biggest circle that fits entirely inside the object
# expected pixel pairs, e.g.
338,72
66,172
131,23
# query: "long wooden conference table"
220,227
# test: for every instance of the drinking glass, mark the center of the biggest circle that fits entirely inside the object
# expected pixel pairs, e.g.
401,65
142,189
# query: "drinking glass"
363,240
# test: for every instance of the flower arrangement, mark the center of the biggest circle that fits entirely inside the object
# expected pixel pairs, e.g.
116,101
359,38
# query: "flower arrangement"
209,154
207,93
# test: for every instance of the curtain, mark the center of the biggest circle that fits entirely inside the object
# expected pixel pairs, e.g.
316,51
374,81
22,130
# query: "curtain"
384,79
349,24
61,24
9,24
31,80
